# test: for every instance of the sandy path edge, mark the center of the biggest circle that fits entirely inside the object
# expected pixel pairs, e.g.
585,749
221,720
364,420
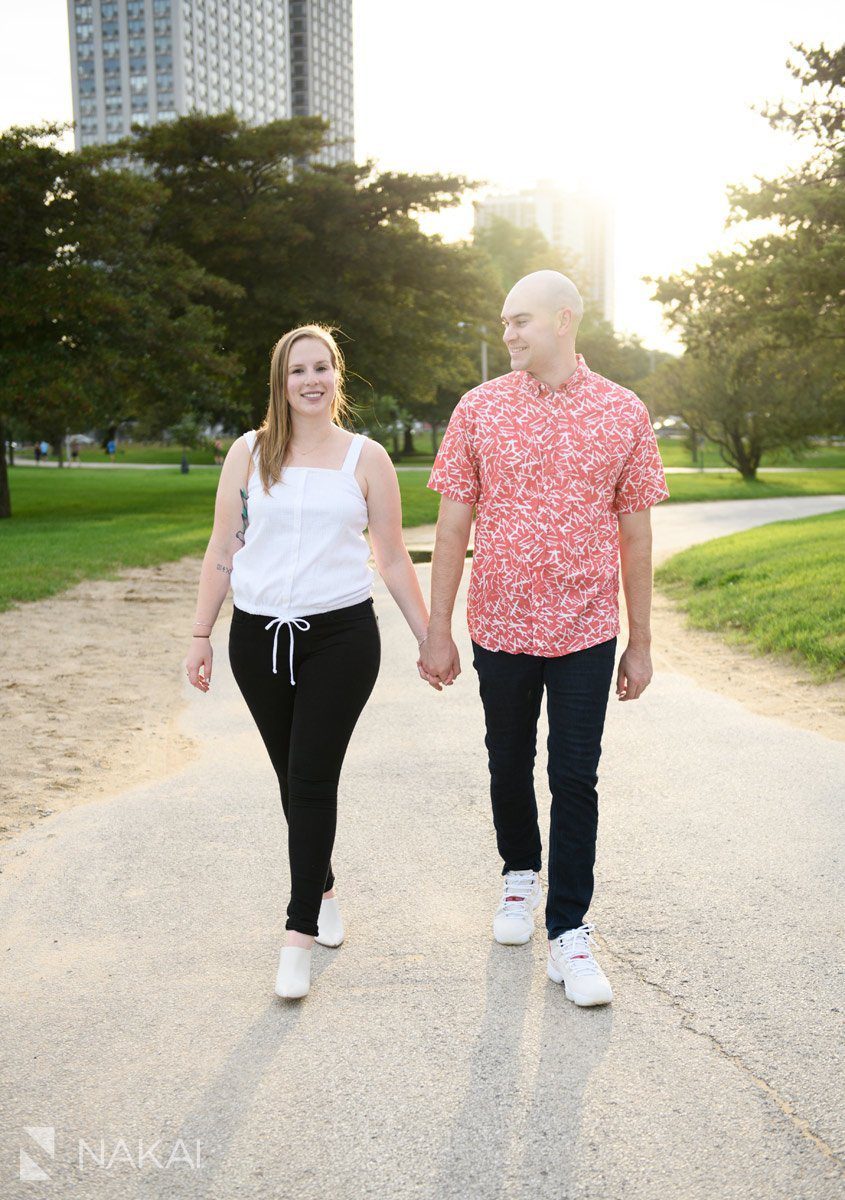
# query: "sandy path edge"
92,703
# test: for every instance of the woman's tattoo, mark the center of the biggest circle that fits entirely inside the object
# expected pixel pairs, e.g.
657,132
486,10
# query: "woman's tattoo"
221,567
240,533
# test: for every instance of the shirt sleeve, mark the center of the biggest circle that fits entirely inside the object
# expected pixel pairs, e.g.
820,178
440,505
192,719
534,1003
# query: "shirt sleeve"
642,482
455,471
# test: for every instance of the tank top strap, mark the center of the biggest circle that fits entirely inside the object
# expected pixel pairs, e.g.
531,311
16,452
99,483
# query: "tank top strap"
249,438
353,454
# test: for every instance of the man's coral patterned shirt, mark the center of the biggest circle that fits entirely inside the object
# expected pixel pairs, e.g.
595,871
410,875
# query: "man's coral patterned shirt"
548,472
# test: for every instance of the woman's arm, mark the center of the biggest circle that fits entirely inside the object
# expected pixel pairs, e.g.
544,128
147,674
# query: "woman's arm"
385,522
225,541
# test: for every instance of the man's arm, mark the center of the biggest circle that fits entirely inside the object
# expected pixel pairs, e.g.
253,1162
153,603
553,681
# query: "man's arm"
439,659
635,670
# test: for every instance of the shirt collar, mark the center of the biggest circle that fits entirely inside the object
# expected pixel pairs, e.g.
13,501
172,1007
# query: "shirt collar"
573,383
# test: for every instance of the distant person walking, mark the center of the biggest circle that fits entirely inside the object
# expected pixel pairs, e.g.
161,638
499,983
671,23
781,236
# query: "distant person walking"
293,500
36,453
562,467
111,449
74,453
218,452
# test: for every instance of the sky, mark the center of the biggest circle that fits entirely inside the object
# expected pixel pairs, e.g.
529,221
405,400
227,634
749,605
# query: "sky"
649,105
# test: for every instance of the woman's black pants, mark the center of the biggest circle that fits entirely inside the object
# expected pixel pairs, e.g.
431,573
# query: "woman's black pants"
306,726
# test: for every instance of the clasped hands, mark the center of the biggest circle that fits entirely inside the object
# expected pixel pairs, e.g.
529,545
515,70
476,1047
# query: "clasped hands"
439,663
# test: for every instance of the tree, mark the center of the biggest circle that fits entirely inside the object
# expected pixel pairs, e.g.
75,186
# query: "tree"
187,432
743,396
99,315
305,242
789,281
776,300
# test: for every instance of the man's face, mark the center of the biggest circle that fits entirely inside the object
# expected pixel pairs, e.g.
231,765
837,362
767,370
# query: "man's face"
529,330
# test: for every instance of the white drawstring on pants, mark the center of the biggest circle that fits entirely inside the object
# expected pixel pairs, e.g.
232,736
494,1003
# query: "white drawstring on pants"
278,622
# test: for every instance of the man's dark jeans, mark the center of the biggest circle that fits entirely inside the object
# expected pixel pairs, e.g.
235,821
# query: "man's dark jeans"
577,686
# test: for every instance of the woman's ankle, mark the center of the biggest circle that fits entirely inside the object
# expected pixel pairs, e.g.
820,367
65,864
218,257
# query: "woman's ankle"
329,894
294,938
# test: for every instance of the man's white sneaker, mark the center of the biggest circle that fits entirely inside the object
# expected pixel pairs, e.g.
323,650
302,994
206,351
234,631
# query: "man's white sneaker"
513,924
571,963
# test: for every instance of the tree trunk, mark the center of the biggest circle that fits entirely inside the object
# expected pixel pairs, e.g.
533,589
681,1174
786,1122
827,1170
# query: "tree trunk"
395,435
58,444
408,447
5,497
434,431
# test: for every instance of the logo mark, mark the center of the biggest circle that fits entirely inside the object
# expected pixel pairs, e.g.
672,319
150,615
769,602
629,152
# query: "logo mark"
45,1137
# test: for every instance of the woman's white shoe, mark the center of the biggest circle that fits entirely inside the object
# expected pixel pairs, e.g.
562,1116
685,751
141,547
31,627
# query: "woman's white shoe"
294,976
330,923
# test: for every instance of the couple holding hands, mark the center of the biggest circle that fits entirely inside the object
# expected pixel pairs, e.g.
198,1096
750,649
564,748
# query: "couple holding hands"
561,467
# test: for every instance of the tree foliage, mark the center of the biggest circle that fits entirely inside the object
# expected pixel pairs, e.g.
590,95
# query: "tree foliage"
743,396
787,283
764,325
99,316
304,242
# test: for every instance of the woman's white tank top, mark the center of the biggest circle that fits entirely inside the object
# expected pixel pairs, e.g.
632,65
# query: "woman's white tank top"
304,548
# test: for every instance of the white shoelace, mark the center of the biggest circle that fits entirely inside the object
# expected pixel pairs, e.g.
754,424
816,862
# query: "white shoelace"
515,892
278,622
575,945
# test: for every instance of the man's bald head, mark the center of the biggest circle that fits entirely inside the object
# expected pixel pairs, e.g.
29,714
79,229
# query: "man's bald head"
540,319
548,292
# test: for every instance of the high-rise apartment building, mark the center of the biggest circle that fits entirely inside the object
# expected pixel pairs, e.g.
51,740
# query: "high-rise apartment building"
142,61
569,221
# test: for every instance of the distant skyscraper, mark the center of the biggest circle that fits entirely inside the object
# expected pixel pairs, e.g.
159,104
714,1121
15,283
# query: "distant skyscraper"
142,61
569,221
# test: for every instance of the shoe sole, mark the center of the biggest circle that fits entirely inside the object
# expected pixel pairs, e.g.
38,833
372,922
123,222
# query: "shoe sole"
556,976
324,942
520,941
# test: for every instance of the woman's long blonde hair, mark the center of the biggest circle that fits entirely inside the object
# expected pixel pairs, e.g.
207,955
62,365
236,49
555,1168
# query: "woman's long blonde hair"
273,437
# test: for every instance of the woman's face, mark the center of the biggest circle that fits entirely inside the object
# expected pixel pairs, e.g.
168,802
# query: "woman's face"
311,378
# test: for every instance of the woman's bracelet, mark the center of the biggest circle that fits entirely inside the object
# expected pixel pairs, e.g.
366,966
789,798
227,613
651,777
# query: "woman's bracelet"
421,640
202,635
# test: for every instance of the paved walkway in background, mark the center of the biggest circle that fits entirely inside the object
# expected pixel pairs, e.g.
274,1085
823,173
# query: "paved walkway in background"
106,466
676,526
141,938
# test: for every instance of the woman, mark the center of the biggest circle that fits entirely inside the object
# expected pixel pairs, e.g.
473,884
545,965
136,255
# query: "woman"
293,500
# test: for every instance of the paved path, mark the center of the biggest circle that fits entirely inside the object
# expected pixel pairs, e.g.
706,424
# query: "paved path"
141,939
676,526
174,466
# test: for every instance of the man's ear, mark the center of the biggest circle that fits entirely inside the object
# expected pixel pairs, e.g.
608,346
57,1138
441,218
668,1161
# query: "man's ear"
563,321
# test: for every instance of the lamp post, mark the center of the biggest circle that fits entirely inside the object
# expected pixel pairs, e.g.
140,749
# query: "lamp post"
482,329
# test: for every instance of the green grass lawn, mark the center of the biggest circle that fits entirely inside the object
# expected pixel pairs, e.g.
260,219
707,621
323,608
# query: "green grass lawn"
72,525
779,588
728,485
675,454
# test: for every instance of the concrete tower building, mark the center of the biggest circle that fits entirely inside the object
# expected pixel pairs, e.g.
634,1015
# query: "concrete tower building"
142,61
569,221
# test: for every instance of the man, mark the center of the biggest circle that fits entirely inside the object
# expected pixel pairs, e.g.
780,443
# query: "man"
562,467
